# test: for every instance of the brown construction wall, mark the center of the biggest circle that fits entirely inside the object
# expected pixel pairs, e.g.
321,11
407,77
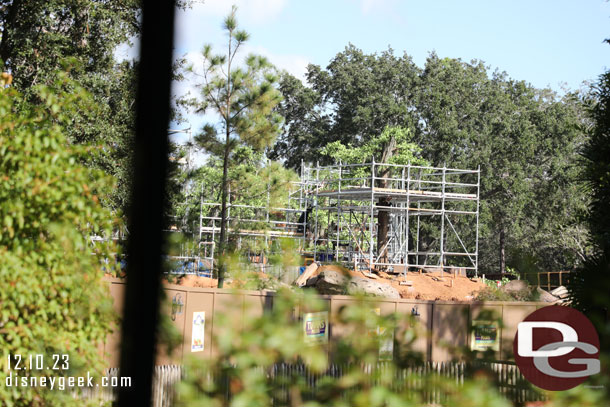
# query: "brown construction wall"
440,326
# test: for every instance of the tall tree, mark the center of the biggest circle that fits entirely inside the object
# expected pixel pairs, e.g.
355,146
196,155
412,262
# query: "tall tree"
524,139
526,142
591,284
351,101
39,38
244,100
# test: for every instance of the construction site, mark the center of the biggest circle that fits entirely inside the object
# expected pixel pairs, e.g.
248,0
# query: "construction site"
376,220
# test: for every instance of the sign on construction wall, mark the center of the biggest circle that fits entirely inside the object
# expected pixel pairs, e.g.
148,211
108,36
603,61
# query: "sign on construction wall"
485,335
315,327
386,340
198,332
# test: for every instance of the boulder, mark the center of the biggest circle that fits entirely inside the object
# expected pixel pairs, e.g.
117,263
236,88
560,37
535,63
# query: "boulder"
307,273
331,281
370,287
514,286
545,296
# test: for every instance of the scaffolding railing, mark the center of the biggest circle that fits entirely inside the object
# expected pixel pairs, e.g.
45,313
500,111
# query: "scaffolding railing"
430,215
371,216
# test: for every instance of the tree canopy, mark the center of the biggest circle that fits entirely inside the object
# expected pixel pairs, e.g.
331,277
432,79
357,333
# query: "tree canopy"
39,38
525,140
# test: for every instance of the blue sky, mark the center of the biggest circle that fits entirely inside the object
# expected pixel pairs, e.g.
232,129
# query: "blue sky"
547,43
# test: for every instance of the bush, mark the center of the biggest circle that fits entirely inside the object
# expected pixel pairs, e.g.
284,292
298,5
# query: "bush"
53,299
497,294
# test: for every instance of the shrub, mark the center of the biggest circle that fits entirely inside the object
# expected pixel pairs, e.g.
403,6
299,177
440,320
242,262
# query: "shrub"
53,299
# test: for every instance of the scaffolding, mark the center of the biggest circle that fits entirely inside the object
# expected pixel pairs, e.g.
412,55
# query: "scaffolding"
430,216
371,216
254,227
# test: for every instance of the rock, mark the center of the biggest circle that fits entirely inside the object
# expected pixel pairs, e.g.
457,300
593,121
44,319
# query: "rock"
333,282
311,281
545,296
367,286
514,286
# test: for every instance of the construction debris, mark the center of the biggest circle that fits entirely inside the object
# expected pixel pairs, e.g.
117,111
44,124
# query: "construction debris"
560,292
309,272
545,296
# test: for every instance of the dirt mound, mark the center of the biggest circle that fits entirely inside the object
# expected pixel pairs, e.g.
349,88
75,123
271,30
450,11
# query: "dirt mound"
425,286
334,267
192,280
429,286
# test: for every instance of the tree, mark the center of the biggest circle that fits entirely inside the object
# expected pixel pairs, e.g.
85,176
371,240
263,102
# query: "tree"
50,204
392,146
525,140
244,99
39,38
591,283
351,101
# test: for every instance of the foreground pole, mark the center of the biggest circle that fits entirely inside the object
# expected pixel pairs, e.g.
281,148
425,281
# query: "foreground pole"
142,295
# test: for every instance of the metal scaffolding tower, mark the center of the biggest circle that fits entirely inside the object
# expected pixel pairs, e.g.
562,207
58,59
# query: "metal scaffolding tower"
371,216
431,213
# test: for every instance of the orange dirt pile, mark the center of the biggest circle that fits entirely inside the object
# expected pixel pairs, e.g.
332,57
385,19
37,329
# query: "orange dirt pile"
427,287
191,280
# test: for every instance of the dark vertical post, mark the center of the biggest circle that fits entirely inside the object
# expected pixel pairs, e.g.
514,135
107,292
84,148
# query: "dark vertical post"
142,294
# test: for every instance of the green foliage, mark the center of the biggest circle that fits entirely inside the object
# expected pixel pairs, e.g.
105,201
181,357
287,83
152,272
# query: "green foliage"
591,284
493,293
53,301
245,355
404,151
525,140
38,38
243,99
351,102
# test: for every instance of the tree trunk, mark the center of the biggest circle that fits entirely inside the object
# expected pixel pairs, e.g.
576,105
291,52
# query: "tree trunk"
502,251
223,213
383,217
383,228
225,174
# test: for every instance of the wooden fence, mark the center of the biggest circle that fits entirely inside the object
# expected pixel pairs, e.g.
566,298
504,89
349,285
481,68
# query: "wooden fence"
548,280
438,325
419,379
